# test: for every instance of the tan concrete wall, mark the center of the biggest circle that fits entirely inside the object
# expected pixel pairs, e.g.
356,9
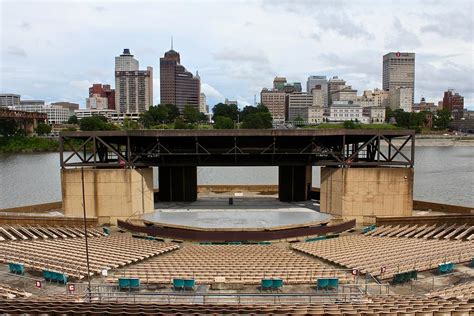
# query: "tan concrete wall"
110,194
359,192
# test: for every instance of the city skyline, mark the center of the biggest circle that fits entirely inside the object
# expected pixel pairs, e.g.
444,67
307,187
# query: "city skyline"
235,48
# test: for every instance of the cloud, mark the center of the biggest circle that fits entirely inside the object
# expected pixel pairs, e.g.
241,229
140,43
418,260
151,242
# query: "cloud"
25,26
454,24
16,51
211,92
81,84
236,55
400,38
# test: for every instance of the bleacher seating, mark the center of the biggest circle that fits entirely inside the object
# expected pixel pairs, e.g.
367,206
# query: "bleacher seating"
403,305
462,290
444,231
247,264
28,232
396,255
9,292
68,256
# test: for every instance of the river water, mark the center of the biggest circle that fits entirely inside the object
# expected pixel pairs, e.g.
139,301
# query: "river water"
442,174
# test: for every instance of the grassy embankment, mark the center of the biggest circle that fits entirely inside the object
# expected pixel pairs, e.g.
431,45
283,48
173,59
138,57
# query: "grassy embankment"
27,145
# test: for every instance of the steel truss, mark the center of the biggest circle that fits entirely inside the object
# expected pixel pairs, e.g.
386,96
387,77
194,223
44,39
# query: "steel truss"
121,150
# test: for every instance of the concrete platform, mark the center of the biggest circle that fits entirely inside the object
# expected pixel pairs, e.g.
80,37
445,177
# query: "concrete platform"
214,212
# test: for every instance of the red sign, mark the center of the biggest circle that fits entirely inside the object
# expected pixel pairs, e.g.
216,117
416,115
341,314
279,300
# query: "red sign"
355,272
38,284
71,287
398,54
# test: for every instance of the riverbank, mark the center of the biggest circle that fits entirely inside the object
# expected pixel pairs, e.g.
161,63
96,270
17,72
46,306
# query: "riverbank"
28,145
15,145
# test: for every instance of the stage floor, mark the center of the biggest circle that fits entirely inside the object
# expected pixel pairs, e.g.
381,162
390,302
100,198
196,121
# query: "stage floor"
244,213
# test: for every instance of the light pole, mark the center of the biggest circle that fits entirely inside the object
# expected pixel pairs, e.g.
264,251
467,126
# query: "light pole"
85,233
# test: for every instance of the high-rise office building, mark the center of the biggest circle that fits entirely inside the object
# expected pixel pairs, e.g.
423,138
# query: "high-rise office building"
334,84
313,81
401,98
399,72
275,101
177,85
279,83
133,87
126,62
202,103
9,99
454,102
103,91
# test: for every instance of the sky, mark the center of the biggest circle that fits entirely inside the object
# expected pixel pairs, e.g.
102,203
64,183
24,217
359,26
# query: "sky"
55,50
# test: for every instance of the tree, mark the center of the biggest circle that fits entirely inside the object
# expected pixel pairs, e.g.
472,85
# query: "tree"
349,125
223,122
259,120
298,121
8,128
173,112
388,114
72,120
442,119
95,123
129,124
191,114
203,118
179,123
154,115
248,110
43,129
226,110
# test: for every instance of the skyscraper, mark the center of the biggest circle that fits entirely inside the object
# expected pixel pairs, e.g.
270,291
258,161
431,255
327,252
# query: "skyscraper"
133,87
399,72
334,84
313,81
454,102
177,85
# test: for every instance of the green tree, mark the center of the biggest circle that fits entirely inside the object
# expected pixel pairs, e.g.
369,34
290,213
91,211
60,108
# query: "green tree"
154,115
298,121
349,125
43,129
72,120
442,119
95,123
129,124
179,124
259,120
226,110
173,112
388,114
190,114
203,118
223,122
8,128
248,110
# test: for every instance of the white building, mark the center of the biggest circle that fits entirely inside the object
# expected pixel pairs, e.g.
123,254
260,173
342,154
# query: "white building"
399,71
314,81
82,113
202,103
318,96
55,114
315,114
401,98
344,94
374,114
126,62
9,99
97,102
341,111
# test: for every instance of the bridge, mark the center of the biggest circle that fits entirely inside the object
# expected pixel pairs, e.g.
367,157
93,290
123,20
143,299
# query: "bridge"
342,153
28,120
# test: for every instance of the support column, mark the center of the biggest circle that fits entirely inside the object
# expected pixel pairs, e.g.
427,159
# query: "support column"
366,192
178,184
110,194
294,183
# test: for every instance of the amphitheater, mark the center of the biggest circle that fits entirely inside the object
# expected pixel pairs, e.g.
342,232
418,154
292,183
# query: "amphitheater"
409,269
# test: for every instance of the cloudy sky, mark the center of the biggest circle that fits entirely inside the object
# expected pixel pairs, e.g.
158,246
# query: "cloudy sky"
54,50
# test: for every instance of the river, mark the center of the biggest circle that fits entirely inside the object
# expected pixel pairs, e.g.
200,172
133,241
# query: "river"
442,174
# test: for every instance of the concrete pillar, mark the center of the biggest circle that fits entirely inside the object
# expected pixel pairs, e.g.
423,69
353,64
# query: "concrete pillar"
110,194
362,193
294,183
177,184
